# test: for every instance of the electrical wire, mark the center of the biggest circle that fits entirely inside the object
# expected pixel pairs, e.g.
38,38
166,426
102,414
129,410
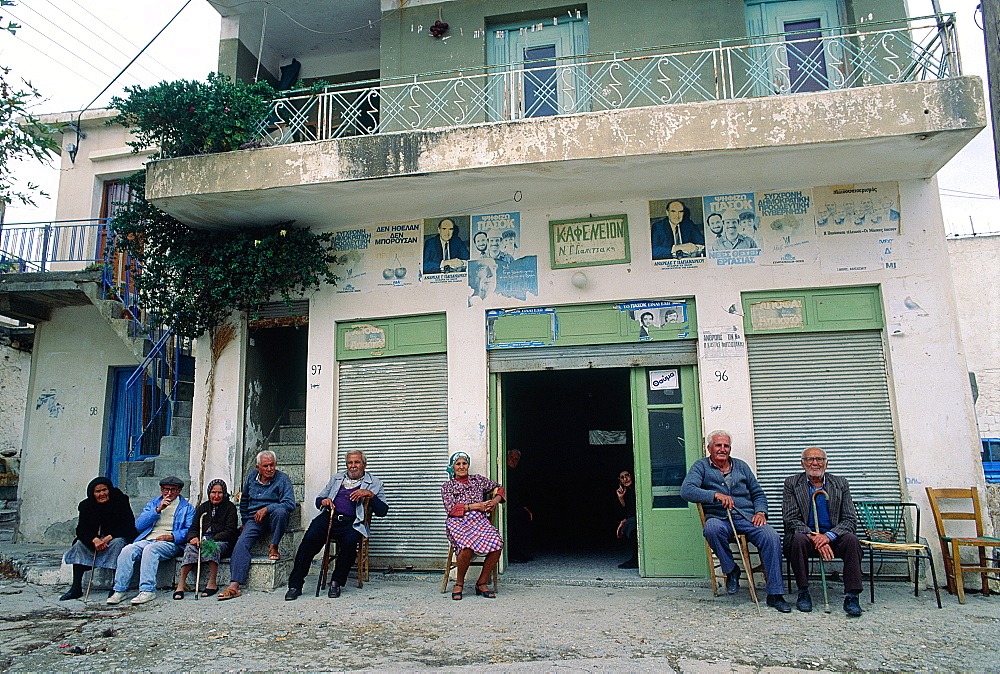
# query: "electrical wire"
75,21
56,61
127,41
24,24
371,24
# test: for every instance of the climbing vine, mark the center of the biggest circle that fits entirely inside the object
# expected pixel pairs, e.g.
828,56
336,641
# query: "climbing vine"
192,279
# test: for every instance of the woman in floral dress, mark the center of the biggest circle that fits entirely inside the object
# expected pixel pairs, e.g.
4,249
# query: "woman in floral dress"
468,500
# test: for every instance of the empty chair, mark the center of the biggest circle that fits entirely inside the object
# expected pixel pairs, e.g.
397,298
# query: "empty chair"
952,544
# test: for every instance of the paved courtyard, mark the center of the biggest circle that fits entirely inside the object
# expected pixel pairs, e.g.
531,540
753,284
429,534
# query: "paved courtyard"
401,622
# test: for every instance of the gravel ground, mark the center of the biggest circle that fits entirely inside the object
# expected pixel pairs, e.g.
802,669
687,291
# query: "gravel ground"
403,623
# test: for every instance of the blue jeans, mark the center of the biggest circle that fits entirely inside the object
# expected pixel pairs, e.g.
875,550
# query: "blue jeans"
151,552
239,563
765,539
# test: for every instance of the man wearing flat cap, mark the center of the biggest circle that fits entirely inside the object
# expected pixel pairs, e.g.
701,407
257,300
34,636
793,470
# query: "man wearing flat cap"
162,524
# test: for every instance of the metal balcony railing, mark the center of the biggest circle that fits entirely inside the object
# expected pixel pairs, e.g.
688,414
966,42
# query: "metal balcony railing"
772,65
152,389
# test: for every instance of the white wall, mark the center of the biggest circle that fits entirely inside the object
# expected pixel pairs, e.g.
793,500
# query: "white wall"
14,368
931,396
68,398
975,263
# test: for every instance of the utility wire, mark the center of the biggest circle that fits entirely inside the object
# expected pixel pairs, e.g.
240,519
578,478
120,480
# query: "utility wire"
79,133
56,61
974,194
77,23
128,41
64,47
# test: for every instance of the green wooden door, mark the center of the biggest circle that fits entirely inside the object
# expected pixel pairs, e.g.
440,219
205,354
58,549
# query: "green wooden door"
667,434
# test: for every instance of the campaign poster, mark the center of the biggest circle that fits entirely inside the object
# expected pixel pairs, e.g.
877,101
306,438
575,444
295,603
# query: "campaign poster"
658,318
869,208
371,256
787,227
446,249
739,241
677,232
497,265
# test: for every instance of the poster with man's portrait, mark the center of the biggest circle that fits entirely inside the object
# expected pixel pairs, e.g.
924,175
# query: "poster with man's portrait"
446,248
739,241
677,232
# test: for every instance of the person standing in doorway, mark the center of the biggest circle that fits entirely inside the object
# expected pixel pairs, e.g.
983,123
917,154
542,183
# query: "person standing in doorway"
519,515
627,527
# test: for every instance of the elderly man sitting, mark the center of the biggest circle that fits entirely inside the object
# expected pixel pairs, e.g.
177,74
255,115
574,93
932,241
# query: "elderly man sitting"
268,499
733,499
162,524
816,494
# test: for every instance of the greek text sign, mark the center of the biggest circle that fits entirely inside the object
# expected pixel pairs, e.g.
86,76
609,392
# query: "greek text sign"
589,241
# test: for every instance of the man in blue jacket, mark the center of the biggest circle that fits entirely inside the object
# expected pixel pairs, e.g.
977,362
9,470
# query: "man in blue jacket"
268,499
721,483
342,500
162,523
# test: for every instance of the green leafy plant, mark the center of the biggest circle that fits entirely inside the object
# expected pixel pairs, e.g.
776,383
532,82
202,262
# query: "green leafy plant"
22,135
193,279
208,547
188,117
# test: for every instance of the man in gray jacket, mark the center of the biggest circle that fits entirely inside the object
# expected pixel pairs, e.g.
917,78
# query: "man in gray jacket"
837,522
726,486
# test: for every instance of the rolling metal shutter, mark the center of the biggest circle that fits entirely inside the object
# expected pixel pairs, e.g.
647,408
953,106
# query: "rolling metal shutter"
395,410
643,354
828,390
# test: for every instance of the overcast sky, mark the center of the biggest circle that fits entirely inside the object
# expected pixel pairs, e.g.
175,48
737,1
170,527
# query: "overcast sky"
71,49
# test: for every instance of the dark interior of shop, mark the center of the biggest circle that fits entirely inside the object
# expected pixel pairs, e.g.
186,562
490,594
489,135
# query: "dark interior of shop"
567,479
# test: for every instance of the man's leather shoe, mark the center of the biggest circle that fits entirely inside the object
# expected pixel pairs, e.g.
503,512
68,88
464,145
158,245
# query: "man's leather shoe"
851,606
293,593
733,580
778,603
334,590
804,603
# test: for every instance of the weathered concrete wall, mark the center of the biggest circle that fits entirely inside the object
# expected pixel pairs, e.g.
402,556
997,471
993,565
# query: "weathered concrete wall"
975,263
936,435
14,368
68,401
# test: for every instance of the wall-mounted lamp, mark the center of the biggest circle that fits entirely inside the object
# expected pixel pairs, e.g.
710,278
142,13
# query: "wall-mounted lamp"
580,280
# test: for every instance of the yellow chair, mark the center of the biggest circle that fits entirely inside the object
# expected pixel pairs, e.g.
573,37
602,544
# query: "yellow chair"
715,566
951,546
450,563
362,562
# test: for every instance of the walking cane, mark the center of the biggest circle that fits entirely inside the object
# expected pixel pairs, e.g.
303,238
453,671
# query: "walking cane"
197,573
822,562
745,556
325,566
92,563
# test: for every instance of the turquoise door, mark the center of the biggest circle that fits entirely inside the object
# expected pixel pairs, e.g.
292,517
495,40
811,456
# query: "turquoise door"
801,61
124,423
532,76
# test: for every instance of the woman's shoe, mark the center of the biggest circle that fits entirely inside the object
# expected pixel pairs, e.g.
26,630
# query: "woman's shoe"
457,596
178,595
487,593
209,591
72,593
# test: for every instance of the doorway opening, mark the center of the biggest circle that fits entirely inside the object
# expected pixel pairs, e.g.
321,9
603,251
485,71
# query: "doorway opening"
574,431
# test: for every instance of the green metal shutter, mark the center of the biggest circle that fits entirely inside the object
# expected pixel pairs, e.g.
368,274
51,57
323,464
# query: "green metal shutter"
828,390
644,354
395,410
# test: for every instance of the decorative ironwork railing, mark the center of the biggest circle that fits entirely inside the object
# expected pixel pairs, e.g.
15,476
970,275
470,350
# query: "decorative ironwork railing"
151,391
772,65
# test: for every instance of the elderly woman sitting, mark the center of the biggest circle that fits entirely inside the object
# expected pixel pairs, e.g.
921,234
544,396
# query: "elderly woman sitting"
467,501
106,525
214,520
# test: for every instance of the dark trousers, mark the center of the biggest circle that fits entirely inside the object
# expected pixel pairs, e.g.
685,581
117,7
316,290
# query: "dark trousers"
798,550
518,533
275,522
347,538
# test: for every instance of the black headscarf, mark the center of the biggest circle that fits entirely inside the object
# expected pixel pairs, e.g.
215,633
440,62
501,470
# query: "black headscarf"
114,517
220,521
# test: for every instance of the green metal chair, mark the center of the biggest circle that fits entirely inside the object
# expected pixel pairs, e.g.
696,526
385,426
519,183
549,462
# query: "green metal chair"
886,535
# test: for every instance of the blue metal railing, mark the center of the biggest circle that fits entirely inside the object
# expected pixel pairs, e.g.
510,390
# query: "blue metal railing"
71,245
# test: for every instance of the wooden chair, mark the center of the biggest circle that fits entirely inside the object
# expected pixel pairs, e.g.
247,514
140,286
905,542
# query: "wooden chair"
715,574
886,535
951,546
362,561
451,563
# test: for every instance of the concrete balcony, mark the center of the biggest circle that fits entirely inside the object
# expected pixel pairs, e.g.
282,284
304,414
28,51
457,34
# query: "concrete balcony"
712,127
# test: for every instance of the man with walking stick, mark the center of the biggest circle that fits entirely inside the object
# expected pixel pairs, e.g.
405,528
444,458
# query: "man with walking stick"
820,520
734,503
342,519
